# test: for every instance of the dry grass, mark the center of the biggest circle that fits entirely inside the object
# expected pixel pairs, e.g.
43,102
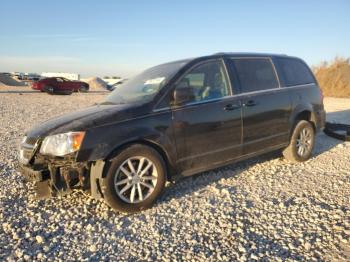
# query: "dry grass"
334,77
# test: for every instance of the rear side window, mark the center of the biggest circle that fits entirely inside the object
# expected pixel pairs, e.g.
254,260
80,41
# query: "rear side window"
255,74
295,72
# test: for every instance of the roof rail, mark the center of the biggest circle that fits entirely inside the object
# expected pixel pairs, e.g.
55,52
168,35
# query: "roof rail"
246,53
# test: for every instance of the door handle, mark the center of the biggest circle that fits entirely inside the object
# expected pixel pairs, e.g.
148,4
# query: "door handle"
250,103
231,107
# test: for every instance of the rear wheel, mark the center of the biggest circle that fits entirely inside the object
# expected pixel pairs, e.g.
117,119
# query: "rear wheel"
301,142
135,179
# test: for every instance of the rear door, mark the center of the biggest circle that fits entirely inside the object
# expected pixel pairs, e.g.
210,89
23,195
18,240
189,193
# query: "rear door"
265,106
208,129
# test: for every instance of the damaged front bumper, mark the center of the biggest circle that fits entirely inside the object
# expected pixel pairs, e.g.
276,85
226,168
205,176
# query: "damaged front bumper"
61,177
33,175
55,176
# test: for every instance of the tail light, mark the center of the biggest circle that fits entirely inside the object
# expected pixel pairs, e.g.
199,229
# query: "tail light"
321,94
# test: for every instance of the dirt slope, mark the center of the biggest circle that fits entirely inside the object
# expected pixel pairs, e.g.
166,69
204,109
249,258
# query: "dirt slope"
9,81
96,83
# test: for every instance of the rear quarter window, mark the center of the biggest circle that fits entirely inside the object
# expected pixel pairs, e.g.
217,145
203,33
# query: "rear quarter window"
255,74
294,72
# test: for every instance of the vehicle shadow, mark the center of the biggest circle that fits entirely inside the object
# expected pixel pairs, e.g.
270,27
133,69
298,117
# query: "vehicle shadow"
189,185
342,117
324,143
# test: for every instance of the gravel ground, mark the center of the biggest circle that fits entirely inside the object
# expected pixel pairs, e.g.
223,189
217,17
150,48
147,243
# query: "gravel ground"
261,209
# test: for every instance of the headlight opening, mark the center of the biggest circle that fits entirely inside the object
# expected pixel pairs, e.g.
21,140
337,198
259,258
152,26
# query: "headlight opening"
62,144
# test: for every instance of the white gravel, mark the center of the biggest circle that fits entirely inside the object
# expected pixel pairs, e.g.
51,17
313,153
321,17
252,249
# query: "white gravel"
261,209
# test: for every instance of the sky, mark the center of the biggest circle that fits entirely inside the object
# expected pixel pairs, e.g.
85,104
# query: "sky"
122,38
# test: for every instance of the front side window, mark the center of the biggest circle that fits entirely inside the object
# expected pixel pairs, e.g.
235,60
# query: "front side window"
295,72
255,74
207,81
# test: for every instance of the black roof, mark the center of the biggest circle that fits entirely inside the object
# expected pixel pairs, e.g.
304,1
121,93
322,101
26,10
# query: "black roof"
233,54
228,54
246,54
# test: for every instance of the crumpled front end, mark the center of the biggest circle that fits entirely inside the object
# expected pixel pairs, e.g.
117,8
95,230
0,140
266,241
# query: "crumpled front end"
52,175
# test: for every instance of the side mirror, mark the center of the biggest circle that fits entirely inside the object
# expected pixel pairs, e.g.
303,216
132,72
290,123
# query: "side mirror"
183,95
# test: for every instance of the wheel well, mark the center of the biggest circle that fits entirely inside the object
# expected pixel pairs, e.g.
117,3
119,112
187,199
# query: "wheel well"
156,147
305,115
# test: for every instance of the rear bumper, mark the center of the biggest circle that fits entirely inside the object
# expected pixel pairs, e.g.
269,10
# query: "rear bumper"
321,119
318,117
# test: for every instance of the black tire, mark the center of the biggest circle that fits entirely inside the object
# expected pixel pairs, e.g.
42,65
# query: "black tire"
291,152
65,92
52,91
108,184
49,89
83,89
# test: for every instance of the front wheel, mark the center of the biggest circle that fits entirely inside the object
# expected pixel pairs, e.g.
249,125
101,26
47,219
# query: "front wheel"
83,89
135,179
301,142
49,89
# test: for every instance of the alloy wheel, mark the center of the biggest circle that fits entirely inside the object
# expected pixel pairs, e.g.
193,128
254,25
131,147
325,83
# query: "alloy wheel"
304,142
135,179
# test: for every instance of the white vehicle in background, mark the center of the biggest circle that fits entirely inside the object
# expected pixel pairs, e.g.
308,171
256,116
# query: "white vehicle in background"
70,76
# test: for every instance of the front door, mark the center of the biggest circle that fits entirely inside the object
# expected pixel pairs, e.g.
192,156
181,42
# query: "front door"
208,128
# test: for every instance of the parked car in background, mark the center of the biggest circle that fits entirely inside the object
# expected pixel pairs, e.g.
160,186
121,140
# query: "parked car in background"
31,77
60,85
179,118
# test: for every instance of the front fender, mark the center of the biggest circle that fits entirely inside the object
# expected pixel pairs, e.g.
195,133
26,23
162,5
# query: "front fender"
100,142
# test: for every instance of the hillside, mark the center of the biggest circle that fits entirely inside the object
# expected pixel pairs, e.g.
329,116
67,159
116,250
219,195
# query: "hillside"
334,77
9,81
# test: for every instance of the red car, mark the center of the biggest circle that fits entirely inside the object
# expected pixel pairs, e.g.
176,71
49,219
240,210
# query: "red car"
60,85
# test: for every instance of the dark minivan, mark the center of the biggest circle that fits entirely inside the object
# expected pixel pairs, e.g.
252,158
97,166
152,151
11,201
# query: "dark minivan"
178,118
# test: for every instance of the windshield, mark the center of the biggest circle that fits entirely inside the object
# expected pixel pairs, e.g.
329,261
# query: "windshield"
143,87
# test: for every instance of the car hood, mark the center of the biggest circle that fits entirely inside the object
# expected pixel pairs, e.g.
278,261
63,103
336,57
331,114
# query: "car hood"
84,119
